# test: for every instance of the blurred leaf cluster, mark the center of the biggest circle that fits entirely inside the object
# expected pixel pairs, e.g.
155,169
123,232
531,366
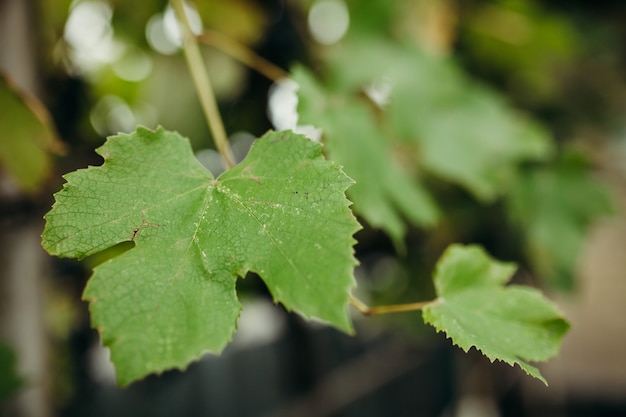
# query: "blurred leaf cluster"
395,93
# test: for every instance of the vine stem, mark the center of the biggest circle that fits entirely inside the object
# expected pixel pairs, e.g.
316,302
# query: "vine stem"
202,83
243,54
393,308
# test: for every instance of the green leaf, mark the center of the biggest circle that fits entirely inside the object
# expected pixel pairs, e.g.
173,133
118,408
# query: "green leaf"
454,127
281,213
474,141
28,137
513,324
554,208
385,194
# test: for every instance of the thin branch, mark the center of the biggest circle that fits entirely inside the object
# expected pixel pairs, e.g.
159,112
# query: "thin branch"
394,308
243,54
203,85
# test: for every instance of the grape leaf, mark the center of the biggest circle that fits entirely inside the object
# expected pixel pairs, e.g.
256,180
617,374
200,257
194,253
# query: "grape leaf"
554,207
513,324
281,213
385,193
456,128
473,140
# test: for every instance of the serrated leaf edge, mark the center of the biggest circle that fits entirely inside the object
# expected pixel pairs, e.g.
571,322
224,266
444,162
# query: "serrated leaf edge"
524,366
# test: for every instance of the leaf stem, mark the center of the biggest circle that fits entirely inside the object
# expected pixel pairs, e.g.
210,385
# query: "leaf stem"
393,308
243,54
202,82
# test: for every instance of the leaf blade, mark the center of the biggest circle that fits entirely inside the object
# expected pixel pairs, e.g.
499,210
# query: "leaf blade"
281,213
385,194
513,324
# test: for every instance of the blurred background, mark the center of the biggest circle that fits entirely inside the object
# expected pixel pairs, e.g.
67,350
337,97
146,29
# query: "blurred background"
510,115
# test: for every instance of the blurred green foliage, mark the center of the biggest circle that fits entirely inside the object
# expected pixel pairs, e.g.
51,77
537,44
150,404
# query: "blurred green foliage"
10,382
29,138
553,208
522,39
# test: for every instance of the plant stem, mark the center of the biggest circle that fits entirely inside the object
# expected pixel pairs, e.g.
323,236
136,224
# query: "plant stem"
394,308
243,54
203,85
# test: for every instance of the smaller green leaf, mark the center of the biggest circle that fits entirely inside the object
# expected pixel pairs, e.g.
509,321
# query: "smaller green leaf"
513,324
